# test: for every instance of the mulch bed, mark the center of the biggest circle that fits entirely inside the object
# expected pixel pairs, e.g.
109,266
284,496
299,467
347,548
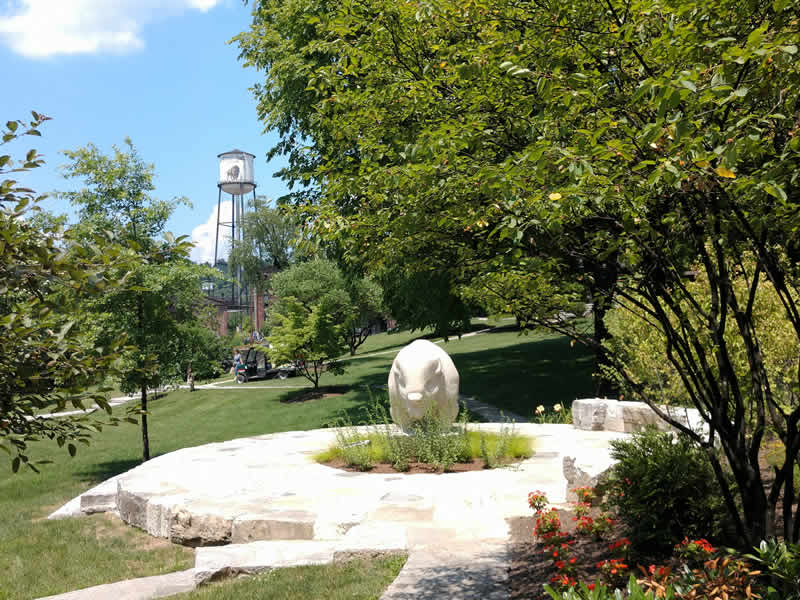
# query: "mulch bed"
531,567
477,464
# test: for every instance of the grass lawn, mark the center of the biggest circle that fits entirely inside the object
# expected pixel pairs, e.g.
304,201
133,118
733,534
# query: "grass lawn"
352,580
40,557
511,371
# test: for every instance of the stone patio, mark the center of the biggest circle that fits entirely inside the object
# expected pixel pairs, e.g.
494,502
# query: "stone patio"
258,503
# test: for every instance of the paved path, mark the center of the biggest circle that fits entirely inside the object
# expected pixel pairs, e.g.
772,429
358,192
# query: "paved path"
457,570
272,506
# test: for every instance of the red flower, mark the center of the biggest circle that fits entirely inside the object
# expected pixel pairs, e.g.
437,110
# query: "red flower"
572,560
559,564
590,586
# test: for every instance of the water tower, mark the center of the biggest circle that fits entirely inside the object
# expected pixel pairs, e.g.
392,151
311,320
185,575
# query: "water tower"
235,178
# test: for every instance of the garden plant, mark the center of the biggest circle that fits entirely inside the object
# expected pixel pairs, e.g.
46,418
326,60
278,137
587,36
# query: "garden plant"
429,443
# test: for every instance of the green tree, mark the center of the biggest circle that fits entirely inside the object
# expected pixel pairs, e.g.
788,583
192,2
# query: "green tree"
46,360
420,299
622,142
366,299
203,350
310,317
266,245
163,290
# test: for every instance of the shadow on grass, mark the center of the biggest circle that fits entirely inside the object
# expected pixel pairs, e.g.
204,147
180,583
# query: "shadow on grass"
520,377
516,378
307,394
101,471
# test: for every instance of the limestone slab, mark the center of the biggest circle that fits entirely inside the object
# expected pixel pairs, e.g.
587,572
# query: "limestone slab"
273,525
143,588
100,498
223,561
600,414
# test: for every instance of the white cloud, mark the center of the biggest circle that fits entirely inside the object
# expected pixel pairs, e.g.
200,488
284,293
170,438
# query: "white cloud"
204,236
42,28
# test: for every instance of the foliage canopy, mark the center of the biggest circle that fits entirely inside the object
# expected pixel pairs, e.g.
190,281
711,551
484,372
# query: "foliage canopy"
614,145
47,360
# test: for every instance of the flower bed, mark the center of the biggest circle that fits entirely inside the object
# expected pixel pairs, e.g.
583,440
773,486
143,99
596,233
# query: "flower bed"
581,552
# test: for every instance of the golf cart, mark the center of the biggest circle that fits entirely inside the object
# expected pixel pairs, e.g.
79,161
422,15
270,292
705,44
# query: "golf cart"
255,365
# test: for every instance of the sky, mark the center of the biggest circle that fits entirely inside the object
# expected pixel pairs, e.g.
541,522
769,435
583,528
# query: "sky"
159,71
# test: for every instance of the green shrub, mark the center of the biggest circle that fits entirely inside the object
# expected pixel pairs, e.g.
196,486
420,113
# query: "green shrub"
204,349
663,488
781,561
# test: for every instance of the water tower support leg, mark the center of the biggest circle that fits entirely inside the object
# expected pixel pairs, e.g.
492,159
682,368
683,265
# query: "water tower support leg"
233,245
216,238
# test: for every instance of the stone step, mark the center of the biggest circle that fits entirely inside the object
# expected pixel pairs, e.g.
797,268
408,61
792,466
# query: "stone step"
223,561
100,498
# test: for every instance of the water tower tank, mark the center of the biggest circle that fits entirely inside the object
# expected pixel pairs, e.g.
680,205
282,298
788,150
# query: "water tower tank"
236,172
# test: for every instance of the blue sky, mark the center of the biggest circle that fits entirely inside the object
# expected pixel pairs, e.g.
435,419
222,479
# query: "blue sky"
159,71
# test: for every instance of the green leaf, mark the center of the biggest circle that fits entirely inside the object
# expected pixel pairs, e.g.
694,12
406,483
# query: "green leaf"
775,191
791,49
688,84
72,449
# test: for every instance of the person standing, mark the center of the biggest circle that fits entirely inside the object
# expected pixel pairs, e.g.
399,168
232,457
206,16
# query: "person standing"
237,359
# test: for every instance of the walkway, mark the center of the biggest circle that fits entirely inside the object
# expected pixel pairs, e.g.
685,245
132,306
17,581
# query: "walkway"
271,505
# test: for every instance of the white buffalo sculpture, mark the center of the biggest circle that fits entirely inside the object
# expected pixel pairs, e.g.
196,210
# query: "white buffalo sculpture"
423,378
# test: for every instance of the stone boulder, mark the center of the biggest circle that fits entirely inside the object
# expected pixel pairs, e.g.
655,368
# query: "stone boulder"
587,469
596,414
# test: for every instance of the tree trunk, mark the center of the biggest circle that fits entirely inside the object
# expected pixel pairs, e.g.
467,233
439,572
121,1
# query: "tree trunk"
603,387
140,327
602,292
145,438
